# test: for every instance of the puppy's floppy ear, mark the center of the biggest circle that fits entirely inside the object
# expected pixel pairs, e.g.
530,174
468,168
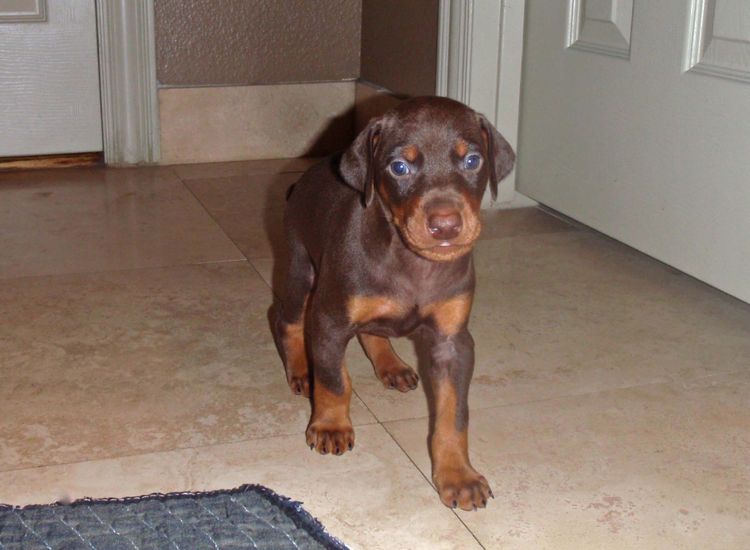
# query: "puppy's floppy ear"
357,163
500,154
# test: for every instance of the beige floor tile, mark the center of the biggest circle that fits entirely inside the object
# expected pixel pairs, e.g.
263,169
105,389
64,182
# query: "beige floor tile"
264,267
372,498
82,220
497,224
250,209
651,467
573,312
126,362
242,168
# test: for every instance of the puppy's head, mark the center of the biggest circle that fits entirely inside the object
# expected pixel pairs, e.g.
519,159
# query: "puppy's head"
428,161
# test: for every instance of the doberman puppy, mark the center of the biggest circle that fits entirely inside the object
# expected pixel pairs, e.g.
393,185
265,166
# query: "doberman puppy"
380,245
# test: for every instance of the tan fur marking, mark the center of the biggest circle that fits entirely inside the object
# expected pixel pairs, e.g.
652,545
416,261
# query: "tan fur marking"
295,356
363,309
330,407
294,346
461,148
457,482
410,152
450,448
389,367
450,315
330,429
378,349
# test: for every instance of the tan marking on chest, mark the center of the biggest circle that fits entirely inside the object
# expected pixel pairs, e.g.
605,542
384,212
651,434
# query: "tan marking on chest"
363,309
451,315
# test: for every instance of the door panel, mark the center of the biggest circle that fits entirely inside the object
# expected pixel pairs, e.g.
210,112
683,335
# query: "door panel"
640,149
49,77
601,26
719,38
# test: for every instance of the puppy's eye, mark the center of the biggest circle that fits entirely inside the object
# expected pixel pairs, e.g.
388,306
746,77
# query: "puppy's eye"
472,162
399,168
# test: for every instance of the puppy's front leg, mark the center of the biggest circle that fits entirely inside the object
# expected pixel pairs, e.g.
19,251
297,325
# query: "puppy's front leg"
452,355
330,429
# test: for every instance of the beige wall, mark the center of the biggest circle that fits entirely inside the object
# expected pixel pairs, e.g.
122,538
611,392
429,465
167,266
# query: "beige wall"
245,42
399,45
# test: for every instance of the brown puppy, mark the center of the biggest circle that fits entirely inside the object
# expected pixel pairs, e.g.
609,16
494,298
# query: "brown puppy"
380,245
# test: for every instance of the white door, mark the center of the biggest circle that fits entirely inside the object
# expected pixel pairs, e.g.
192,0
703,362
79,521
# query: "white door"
49,78
635,120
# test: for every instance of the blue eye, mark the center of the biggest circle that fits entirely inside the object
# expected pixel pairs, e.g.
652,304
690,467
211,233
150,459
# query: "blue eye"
472,162
399,168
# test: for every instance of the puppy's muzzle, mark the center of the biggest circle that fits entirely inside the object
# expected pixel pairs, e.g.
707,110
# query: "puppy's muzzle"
444,221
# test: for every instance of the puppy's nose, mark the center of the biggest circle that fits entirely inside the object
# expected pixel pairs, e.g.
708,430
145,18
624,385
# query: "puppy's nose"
444,225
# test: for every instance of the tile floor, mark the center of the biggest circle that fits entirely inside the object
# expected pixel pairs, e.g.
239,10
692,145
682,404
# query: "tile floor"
611,395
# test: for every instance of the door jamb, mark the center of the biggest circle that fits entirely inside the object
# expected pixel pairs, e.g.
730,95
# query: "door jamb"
127,75
480,50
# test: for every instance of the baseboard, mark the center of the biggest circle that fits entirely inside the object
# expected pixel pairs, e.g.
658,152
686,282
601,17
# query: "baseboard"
227,123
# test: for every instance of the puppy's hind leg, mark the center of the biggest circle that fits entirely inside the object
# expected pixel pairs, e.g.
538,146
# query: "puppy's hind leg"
389,367
330,429
288,317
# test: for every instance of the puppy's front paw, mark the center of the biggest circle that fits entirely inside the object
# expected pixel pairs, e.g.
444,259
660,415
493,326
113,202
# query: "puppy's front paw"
328,437
462,487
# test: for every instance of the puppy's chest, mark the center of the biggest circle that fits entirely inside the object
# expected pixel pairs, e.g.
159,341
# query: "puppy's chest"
392,323
387,315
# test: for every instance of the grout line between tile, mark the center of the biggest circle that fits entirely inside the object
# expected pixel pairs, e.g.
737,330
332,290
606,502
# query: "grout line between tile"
252,264
675,383
165,451
429,482
211,216
239,175
414,464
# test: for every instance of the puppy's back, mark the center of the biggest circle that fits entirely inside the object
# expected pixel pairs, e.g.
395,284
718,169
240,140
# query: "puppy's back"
321,205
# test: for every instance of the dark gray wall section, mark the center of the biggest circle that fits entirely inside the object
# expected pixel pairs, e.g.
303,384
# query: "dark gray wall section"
399,45
243,42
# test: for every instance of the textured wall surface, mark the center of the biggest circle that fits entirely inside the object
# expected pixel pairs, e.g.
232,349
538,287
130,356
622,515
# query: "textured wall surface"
241,42
399,44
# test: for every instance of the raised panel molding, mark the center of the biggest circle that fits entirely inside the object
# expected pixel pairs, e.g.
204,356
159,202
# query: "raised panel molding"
718,39
600,26
23,11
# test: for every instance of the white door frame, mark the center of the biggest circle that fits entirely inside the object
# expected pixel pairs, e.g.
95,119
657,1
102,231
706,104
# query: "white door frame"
480,47
127,73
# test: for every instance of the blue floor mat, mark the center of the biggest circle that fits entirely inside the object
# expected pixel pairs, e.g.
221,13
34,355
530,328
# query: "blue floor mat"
248,517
